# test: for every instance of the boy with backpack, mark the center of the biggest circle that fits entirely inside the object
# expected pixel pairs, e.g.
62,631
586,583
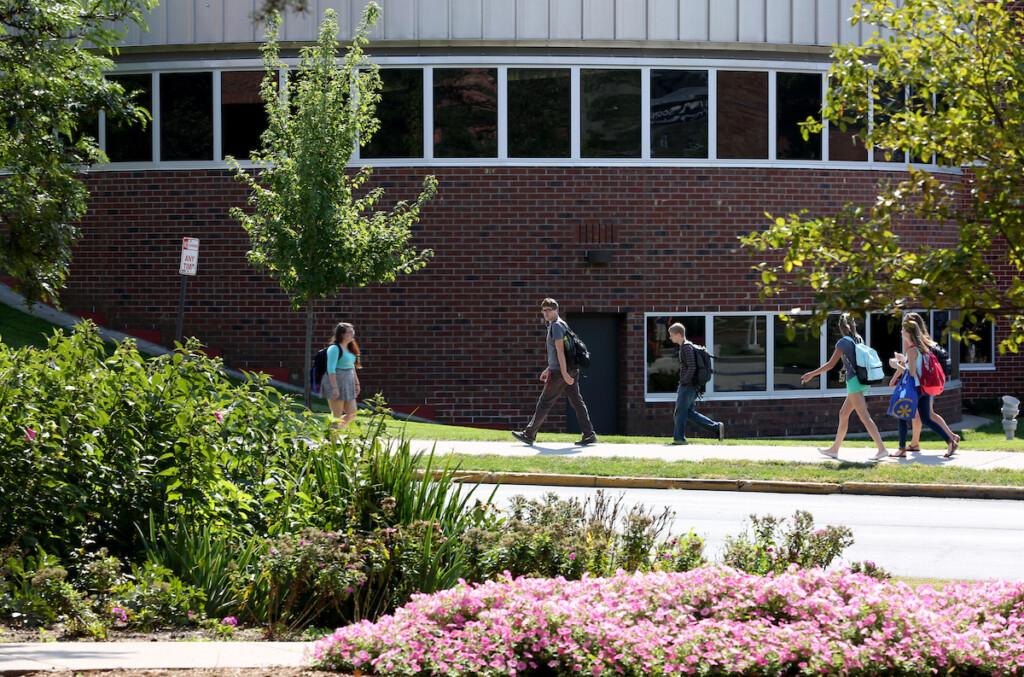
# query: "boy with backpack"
560,376
691,378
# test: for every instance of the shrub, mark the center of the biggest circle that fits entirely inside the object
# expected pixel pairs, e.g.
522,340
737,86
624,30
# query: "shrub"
778,543
710,621
91,444
553,537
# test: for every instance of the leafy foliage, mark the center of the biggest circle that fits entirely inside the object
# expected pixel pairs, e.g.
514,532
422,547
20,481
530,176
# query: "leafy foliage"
91,446
52,56
310,228
961,62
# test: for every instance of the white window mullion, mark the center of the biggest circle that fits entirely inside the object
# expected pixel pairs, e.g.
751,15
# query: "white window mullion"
825,123
709,343
503,112
712,114
575,111
824,356
156,116
428,112
101,132
772,117
218,122
645,113
769,353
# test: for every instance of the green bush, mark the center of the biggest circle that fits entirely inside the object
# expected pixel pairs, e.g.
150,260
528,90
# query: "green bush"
553,537
778,543
90,445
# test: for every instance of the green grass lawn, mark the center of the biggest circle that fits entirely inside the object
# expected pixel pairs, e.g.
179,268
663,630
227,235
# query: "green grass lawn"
19,329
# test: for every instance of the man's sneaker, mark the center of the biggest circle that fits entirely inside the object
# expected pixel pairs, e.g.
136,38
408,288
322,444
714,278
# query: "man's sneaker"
587,439
523,437
721,432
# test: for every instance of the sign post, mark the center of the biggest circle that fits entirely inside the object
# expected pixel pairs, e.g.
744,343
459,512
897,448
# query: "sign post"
189,263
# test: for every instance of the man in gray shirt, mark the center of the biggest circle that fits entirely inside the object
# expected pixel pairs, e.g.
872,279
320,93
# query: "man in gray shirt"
558,379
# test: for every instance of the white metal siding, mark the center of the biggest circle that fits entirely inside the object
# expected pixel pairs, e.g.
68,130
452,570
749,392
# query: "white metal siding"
782,22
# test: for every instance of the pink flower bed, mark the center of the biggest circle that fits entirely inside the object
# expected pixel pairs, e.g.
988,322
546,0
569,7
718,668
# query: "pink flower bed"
708,621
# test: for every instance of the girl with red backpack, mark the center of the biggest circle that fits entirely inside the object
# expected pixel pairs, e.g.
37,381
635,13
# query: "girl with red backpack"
915,436
913,361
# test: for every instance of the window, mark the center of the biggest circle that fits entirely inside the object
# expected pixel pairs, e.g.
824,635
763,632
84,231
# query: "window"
128,141
186,116
663,355
679,114
939,320
846,139
465,112
400,112
832,336
740,352
610,102
890,100
243,117
539,112
742,115
797,97
794,358
979,350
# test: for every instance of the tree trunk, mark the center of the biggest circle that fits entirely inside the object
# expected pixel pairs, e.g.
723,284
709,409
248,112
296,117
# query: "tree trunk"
308,362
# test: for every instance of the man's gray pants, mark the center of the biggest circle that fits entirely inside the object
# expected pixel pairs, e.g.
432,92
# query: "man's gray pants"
553,390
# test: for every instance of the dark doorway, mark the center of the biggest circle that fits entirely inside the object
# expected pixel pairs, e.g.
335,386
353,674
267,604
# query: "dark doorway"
600,383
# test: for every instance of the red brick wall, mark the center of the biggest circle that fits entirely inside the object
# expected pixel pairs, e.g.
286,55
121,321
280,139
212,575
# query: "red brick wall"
463,335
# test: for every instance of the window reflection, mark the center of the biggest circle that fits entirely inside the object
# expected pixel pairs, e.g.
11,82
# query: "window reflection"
890,100
679,114
741,359
465,112
978,349
400,112
243,114
663,355
186,116
886,337
539,112
610,125
794,358
130,141
798,96
742,115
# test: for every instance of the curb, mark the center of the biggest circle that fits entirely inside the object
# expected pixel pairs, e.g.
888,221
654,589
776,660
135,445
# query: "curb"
980,491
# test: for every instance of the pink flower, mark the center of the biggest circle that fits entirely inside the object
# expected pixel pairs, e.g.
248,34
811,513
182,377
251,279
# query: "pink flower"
219,415
572,555
230,620
29,434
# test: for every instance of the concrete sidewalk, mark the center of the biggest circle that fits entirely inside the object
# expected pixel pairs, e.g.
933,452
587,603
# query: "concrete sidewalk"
21,659
695,451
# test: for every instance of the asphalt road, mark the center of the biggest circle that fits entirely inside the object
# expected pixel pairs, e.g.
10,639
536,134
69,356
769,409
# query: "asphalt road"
921,537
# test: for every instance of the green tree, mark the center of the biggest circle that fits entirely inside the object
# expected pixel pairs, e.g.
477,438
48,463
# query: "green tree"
958,64
52,57
312,227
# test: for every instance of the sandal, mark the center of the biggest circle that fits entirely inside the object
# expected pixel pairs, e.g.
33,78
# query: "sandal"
902,453
953,446
914,447
832,455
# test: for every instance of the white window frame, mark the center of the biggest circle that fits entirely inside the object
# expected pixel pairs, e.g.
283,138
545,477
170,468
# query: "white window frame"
502,64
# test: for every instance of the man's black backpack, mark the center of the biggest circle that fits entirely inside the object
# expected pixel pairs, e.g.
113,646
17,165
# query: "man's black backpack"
702,359
318,369
577,355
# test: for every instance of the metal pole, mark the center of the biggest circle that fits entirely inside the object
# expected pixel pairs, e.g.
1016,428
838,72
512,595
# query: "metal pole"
181,310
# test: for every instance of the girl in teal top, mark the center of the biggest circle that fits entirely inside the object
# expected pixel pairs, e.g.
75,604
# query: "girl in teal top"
855,392
339,384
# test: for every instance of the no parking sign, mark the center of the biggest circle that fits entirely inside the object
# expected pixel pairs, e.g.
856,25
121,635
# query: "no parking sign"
189,256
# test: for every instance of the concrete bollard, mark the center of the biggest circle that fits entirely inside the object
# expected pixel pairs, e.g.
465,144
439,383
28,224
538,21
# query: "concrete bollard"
1011,407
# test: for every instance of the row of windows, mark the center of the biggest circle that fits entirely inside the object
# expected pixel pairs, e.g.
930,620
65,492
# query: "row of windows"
571,113
753,354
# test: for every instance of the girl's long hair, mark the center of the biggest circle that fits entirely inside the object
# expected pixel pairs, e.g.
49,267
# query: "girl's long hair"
916,336
339,332
848,326
919,321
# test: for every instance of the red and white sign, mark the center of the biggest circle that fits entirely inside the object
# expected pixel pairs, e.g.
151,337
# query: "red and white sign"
189,256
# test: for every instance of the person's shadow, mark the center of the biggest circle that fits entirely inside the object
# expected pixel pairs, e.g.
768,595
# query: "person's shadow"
559,451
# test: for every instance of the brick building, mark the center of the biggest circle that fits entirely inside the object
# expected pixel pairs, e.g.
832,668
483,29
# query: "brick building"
607,153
